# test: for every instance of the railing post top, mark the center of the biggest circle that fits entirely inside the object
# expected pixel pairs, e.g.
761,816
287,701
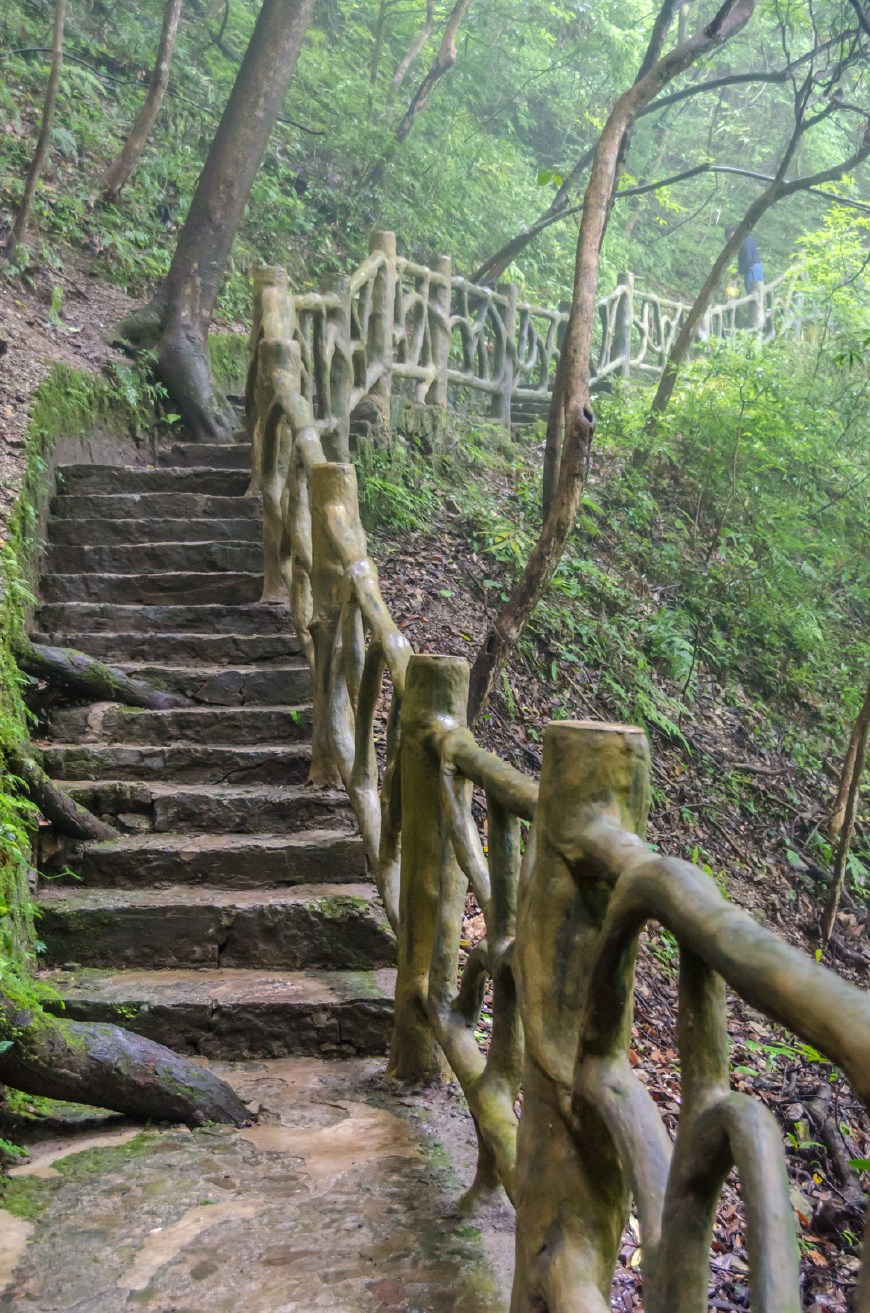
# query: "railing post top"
270,275
443,264
588,762
509,290
333,481
436,686
625,280
335,283
381,239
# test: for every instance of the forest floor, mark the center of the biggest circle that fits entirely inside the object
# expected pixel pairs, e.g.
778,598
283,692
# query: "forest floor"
433,584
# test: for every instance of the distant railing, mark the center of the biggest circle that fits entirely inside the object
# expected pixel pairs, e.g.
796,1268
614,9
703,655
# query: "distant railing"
563,901
450,339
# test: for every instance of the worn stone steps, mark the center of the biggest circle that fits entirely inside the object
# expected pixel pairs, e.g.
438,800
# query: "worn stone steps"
202,763
230,686
188,649
221,1011
214,455
228,587
209,618
167,505
336,927
90,531
171,557
106,722
224,861
140,806
92,480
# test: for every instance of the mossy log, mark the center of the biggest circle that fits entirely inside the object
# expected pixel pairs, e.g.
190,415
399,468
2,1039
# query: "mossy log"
81,674
64,812
108,1067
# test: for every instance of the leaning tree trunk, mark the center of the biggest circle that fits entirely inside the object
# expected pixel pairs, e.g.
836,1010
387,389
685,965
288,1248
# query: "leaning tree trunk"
579,421
190,292
22,218
442,63
107,1067
85,676
120,169
853,770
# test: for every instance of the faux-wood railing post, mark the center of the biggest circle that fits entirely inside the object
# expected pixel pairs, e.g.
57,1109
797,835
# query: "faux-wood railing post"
624,323
501,401
436,693
333,487
572,1198
381,320
336,383
440,294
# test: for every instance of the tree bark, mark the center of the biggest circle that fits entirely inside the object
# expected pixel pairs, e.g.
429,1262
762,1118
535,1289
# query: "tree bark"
64,812
443,62
854,764
579,420
777,191
405,63
190,292
107,1067
82,674
120,169
838,814
34,172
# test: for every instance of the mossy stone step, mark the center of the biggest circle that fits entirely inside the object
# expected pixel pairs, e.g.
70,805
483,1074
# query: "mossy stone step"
140,806
181,648
191,762
92,480
160,557
226,1013
91,532
338,927
169,505
105,722
174,587
228,686
213,455
213,619
224,861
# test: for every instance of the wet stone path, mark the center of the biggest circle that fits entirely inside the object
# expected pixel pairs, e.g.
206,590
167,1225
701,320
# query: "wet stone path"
340,1197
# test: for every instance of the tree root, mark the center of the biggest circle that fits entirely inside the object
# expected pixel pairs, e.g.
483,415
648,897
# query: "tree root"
64,812
107,1067
81,674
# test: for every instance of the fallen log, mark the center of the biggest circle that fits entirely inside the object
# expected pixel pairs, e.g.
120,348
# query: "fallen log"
81,674
107,1067
64,812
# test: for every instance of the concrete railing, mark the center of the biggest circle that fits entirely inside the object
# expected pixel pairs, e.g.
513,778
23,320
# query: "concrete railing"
453,341
563,900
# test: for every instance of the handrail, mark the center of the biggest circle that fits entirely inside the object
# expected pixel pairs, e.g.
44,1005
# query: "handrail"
563,903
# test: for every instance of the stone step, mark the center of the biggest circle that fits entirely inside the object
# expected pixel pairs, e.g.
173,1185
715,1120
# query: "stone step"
223,861
185,762
235,1014
213,619
160,649
154,506
90,532
228,589
91,480
141,807
156,556
340,927
228,686
105,722
210,455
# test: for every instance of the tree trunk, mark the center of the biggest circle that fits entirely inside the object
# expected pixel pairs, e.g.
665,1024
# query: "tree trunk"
405,63
22,218
579,420
838,814
64,812
443,62
120,169
855,766
215,213
84,675
107,1067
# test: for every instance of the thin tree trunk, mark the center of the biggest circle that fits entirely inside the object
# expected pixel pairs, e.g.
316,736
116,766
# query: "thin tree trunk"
860,735
22,218
579,420
188,297
777,190
120,169
838,814
410,55
85,676
443,62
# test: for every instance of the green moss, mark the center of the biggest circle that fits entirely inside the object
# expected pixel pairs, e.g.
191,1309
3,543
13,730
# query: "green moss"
26,1196
228,353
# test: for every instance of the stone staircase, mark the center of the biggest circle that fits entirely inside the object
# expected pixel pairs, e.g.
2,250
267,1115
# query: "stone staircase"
233,916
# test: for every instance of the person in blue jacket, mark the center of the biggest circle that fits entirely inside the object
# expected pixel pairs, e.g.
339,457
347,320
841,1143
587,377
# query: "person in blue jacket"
748,261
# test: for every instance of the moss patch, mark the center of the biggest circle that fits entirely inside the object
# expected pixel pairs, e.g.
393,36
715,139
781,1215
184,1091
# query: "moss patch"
228,353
